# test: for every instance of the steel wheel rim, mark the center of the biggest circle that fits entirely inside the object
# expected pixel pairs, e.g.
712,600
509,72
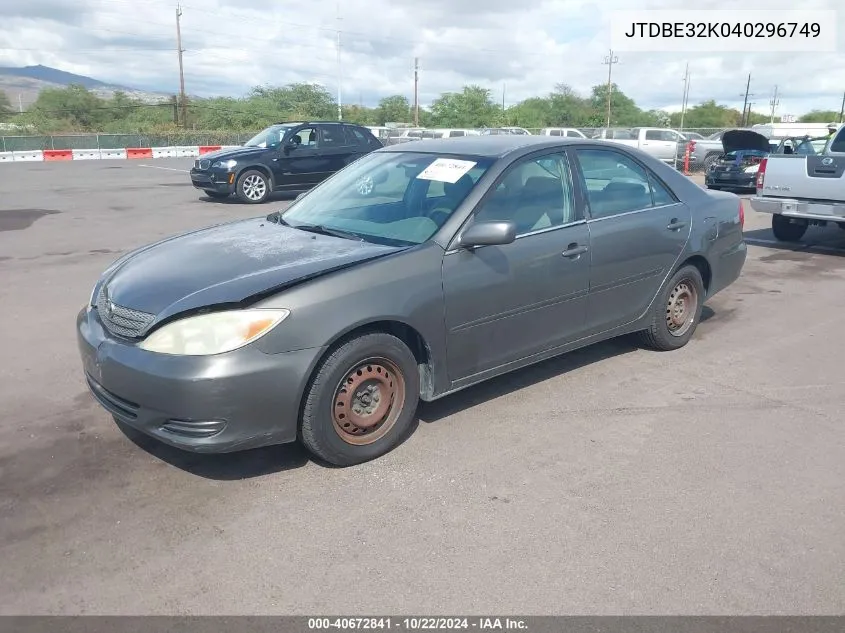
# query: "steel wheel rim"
365,185
368,401
254,187
681,308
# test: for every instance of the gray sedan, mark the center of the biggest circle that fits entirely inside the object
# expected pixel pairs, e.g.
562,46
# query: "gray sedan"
419,270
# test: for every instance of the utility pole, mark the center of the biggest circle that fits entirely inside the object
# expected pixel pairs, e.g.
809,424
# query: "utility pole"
504,88
842,109
684,101
339,70
180,50
610,60
774,102
745,104
416,91
20,103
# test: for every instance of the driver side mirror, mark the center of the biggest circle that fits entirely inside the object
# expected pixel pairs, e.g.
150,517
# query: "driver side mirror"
488,234
291,145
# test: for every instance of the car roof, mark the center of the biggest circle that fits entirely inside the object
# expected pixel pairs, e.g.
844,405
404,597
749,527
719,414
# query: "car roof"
493,146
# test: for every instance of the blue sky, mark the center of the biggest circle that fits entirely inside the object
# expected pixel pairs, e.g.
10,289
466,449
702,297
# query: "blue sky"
523,47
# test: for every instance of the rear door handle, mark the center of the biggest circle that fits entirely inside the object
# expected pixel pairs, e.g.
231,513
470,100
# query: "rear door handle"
674,225
574,251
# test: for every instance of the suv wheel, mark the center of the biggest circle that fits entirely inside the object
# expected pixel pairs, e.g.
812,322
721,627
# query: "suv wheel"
253,187
788,229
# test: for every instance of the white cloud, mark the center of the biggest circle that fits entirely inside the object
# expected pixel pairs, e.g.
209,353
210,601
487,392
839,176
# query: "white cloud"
523,47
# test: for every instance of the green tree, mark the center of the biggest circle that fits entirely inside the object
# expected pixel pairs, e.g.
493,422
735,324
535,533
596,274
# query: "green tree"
472,107
820,116
5,106
623,110
393,109
708,114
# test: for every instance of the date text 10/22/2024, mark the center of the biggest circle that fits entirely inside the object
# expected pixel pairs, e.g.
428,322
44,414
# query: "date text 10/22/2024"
418,623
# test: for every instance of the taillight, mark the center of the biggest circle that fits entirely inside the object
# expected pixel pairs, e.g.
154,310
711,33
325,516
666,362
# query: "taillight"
761,173
741,215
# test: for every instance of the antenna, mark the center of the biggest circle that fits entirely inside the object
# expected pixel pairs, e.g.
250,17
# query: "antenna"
610,60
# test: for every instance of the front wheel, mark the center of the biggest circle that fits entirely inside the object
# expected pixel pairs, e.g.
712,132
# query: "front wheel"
362,400
788,229
253,187
676,311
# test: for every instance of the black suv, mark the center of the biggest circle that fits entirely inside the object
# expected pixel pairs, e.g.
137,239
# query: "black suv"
290,157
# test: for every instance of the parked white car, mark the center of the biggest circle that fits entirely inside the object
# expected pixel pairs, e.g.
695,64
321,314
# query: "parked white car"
662,143
448,133
570,132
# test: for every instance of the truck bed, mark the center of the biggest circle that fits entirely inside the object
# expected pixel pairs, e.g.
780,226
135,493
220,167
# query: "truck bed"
817,178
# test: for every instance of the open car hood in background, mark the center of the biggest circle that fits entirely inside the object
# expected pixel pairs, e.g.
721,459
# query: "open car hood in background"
737,140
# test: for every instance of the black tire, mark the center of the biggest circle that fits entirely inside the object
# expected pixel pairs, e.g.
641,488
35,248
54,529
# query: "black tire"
370,359
253,187
659,336
714,187
709,160
216,194
841,225
788,229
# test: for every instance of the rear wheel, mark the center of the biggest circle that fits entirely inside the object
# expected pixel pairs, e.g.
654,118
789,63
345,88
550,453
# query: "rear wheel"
362,400
676,311
709,160
788,229
253,187
216,194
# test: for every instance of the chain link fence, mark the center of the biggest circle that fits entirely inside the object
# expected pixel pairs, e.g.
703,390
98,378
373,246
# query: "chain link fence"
119,141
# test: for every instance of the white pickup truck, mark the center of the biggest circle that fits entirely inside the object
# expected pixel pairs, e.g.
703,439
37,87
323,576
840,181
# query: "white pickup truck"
800,190
661,143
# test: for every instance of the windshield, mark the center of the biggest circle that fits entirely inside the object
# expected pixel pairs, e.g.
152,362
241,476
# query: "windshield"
392,198
268,137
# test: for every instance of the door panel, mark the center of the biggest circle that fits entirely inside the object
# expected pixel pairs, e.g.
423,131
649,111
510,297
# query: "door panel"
638,230
505,303
303,167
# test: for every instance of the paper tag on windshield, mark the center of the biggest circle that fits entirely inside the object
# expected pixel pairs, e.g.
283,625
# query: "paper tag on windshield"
446,170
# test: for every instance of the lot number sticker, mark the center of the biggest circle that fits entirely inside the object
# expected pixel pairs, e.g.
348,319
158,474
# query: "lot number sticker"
446,170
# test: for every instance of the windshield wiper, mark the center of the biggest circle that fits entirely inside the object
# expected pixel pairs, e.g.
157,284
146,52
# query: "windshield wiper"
325,230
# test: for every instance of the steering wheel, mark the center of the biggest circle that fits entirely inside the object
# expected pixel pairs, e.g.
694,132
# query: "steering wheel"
439,215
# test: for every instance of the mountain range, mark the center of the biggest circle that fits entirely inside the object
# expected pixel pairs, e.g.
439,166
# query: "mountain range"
23,84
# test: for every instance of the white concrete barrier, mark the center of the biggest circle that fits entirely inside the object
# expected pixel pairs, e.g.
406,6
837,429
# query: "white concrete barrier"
6,157
164,152
28,155
183,151
86,154
112,153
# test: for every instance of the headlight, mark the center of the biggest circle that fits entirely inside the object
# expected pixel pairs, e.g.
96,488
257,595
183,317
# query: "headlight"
224,164
213,333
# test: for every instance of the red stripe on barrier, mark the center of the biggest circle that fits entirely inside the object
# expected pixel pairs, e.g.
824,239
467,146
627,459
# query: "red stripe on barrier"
58,154
139,152
207,149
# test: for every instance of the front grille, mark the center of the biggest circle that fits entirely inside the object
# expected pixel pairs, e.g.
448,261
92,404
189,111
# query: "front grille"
202,164
120,320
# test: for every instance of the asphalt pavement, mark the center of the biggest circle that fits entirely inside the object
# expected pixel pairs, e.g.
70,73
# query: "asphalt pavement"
710,480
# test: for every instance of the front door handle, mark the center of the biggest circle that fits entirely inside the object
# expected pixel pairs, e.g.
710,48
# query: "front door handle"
573,251
674,225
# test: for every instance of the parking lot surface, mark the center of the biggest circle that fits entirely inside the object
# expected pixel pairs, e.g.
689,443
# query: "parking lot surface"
612,480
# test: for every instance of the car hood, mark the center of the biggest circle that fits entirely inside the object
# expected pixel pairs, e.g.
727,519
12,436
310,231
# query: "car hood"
228,264
737,140
232,152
